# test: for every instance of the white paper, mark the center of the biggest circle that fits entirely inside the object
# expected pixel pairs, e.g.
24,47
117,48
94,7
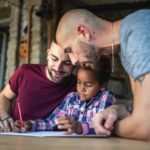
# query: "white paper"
48,134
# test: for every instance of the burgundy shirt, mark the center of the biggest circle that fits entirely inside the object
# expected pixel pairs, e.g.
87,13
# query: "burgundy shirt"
37,94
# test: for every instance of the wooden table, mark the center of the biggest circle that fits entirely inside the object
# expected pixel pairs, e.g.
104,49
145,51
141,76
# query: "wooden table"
51,143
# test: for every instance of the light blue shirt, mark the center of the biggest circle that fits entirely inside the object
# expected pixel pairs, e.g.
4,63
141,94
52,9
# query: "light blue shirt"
135,43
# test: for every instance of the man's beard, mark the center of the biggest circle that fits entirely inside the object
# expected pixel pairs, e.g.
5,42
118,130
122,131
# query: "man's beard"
55,79
91,53
96,55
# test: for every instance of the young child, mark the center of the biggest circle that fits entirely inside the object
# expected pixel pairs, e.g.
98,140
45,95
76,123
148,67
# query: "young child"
75,113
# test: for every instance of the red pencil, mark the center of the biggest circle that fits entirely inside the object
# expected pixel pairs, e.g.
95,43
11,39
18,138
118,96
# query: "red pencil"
20,114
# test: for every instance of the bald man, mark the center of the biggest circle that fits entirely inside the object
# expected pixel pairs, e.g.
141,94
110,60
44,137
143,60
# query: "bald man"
86,37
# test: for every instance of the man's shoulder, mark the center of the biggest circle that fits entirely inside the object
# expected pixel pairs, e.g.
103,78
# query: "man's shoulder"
138,15
32,66
142,11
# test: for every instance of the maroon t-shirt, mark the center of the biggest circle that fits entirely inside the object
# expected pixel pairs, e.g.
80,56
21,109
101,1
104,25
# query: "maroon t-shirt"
37,94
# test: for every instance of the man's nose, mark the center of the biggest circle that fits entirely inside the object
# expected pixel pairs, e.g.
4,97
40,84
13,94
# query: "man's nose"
58,66
75,62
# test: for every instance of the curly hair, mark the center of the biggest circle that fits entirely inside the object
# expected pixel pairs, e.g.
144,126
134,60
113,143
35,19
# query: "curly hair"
102,72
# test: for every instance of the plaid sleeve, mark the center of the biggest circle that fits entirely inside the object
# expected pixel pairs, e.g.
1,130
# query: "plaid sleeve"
108,99
49,122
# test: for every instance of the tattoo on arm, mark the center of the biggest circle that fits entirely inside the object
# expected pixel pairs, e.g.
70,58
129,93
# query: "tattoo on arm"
141,79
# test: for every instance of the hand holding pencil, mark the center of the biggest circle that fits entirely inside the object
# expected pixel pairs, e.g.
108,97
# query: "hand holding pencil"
20,124
27,125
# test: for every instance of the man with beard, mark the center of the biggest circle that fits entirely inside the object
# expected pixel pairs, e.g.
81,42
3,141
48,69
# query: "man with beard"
39,87
86,37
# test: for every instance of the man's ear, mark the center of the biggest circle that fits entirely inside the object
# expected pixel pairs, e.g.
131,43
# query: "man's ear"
83,32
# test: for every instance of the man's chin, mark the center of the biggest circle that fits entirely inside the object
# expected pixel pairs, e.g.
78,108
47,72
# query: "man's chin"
58,79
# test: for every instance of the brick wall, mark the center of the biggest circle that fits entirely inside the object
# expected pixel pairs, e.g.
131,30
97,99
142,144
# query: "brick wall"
13,34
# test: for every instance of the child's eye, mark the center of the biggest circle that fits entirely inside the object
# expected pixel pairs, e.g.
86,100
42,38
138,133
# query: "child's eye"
89,84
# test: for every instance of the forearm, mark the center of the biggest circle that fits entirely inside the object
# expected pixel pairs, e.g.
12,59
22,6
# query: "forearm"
132,127
42,125
126,128
6,97
121,111
5,107
126,125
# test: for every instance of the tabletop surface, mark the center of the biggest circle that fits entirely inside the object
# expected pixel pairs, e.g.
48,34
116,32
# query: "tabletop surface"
53,143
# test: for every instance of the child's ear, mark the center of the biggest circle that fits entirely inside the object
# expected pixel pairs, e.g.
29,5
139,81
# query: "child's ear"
83,32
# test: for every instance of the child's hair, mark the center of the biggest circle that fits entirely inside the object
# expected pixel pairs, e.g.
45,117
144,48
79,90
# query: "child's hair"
102,73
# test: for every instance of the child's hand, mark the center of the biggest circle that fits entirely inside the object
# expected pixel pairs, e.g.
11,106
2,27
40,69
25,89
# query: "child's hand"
27,125
68,123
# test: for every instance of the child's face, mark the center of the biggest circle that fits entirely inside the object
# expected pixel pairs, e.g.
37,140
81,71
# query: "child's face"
87,85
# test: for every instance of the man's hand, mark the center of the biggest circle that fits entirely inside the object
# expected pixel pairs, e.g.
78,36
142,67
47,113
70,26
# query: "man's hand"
6,97
104,120
6,124
69,124
27,126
